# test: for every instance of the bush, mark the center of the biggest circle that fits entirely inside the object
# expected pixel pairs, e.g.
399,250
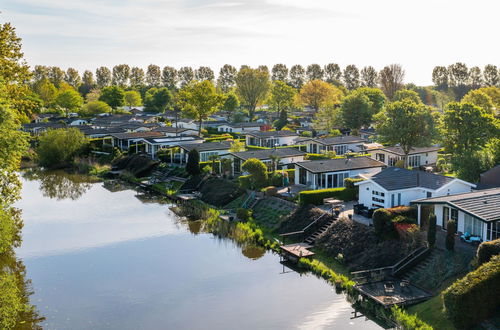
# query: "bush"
431,231
382,223
245,181
316,197
451,228
487,250
475,297
243,214
258,172
349,182
406,211
59,147
270,191
316,156
401,219
193,163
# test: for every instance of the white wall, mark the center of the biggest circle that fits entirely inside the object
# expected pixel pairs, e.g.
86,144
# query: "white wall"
425,158
455,187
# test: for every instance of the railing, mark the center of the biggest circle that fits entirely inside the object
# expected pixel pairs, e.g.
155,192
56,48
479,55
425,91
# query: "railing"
309,229
249,199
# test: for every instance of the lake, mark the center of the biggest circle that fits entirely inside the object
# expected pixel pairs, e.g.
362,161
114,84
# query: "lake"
112,258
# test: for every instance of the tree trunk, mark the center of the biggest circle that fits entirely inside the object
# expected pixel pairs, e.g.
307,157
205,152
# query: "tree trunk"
200,121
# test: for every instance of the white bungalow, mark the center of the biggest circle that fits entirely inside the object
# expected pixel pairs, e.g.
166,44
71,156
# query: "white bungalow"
270,139
417,156
339,144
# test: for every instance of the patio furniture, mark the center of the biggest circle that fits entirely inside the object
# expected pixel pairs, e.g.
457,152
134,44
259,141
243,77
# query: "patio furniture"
389,288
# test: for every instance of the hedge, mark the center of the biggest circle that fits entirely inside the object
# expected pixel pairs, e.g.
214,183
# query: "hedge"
316,157
349,182
475,297
245,181
487,250
382,223
316,197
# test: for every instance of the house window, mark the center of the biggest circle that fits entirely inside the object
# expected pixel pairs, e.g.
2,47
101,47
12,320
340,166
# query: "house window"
205,156
454,215
493,230
380,157
392,161
340,150
414,161
473,226
429,194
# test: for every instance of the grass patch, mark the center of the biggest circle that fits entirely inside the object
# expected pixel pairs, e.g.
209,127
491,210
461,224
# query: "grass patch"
432,312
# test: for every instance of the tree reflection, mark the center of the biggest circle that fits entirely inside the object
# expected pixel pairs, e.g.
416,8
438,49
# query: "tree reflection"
15,309
59,184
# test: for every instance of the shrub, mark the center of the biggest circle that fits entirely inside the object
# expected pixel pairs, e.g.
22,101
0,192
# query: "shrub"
245,181
401,219
431,231
487,250
451,227
475,297
408,321
316,197
193,163
406,211
382,223
316,156
59,147
349,182
258,172
270,191
243,214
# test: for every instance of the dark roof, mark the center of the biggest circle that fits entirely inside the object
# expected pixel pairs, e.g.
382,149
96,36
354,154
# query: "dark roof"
490,178
44,125
268,134
343,139
173,139
395,178
170,129
483,204
240,125
88,130
137,135
207,146
267,153
340,164
418,150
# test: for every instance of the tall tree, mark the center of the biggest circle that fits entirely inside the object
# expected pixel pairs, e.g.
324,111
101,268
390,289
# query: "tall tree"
318,93
153,76
185,75
491,75
169,77
46,90
314,72
204,73
252,86
279,72
376,97
70,100
281,97
103,77
328,118
60,146
121,75
459,79
351,77
263,68
297,76
94,108
193,163
391,79
231,103
72,77
88,82
332,73
403,94
356,111
480,99
132,99
369,77
440,77
40,72
56,75
114,96
406,123
199,100
475,77
136,77
227,78
157,99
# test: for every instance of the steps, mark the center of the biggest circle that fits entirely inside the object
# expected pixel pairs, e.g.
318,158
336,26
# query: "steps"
409,275
314,236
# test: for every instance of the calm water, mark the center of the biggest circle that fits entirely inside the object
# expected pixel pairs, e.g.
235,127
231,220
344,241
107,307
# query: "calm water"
117,260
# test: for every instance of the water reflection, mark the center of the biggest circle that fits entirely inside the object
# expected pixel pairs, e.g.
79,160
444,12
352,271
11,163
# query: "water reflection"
60,184
253,252
13,268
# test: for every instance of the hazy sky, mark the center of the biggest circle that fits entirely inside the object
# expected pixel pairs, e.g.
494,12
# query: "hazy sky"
418,34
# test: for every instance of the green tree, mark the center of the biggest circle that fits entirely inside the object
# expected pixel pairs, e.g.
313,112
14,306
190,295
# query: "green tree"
46,90
204,73
113,95
169,77
157,99
332,73
153,76
258,172
351,77
279,72
185,75
70,100
136,77
237,146
193,163
402,94
133,98
451,229
281,97
480,99
103,77
252,86
231,103
369,77
314,72
406,123
199,100
391,79
491,75
317,94
297,76
376,97
88,83
227,78
356,111
431,231
94,108
73,78
121,75
58,147
327,119
440,78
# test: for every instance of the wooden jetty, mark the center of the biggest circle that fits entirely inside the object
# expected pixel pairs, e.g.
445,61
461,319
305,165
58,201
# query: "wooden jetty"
295,251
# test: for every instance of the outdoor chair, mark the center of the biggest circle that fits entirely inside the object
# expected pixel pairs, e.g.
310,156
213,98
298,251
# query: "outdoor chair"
389,288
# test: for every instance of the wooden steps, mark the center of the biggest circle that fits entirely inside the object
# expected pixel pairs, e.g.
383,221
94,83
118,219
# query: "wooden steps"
314,236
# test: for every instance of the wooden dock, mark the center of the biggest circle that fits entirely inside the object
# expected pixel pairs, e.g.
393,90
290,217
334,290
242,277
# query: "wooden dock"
294,252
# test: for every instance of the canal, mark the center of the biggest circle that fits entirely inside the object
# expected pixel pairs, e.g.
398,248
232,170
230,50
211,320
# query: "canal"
104,257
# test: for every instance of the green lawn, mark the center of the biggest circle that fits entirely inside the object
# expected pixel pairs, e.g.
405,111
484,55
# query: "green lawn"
431,312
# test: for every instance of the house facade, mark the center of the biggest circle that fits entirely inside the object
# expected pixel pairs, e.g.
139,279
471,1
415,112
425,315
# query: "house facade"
476,213
340,144
417,156
270,139
395,186
239,128
331,173
284,157
206,150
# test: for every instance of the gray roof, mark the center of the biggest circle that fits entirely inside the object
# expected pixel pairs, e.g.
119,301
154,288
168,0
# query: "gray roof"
340,164
343,139
416,150
241,125
395,178
136,135
207,146
483,204
269,134
267,153
170,129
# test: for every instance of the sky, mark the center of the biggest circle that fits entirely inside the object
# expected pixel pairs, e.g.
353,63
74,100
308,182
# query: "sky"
418,34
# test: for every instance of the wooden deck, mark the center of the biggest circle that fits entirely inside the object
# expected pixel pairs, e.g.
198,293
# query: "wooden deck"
296,251
401,294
